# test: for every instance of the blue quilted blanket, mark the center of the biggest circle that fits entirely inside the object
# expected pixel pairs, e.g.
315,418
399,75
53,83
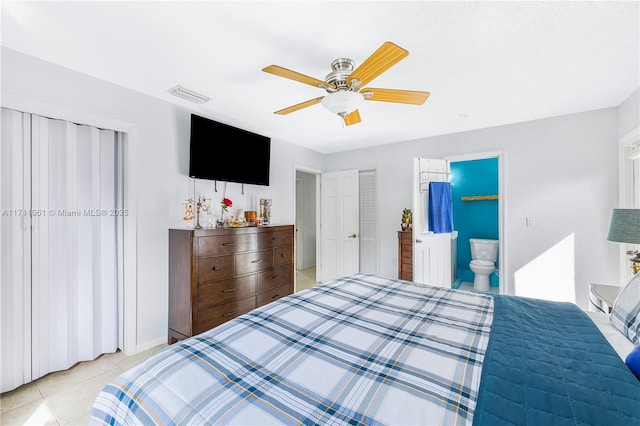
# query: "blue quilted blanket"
547,364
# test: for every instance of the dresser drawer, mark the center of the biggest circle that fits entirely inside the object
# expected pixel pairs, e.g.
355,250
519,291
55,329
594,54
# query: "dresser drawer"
215,268
216,315
220,292
247,263
225,244
270,279
275,239
274,294
282,255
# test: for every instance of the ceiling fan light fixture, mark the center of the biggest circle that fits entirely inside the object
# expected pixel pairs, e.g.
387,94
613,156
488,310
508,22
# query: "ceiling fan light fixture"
343,102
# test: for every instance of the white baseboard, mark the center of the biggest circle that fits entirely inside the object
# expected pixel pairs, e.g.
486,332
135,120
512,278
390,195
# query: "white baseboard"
141,347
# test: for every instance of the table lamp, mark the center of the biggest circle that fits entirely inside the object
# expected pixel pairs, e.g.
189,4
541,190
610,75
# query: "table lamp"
625,228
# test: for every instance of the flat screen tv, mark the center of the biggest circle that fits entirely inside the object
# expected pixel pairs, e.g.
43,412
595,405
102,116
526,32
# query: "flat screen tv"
225,153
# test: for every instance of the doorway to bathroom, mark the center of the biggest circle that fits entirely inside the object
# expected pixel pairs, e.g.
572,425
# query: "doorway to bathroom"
477,207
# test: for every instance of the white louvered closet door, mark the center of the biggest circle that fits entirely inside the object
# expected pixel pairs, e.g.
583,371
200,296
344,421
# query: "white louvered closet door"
368,222
74,254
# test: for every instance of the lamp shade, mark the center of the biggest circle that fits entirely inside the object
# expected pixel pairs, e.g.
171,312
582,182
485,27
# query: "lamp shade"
625,226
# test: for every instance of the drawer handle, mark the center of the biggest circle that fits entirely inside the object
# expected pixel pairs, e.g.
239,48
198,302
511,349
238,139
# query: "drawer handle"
283,255
256,261
228,314
275,276
228,244
229,290
273,297
216,268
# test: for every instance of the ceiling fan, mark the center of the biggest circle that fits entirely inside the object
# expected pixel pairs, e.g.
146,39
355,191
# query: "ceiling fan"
344,83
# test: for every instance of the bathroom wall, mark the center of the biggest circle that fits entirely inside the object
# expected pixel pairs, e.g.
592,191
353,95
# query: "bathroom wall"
474,219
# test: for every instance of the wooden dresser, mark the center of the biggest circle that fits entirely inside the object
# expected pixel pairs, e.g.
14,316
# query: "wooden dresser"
405,255
218,274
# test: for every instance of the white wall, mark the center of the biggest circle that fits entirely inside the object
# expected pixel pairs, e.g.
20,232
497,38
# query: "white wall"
159,171
629,114
561,171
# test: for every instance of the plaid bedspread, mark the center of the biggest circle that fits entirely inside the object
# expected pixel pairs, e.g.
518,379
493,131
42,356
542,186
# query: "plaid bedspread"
358,350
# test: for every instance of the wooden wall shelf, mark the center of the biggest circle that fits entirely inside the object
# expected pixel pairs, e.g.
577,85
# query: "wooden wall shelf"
480,197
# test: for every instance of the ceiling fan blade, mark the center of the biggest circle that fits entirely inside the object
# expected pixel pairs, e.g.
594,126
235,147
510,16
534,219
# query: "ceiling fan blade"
299,106
393,95
381,60
292,75
352,118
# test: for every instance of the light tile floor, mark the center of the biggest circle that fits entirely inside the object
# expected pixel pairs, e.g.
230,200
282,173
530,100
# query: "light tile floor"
306,278
66,397
469,287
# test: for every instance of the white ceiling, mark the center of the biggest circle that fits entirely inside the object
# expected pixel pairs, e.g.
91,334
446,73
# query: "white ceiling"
495,62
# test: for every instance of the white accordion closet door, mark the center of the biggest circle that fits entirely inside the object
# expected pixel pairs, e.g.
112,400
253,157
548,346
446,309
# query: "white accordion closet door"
75,256
15,250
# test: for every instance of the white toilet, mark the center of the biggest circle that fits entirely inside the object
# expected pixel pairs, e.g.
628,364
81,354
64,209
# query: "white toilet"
484,254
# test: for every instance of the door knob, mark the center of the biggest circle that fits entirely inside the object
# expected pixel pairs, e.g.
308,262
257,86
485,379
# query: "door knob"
418,241
353,236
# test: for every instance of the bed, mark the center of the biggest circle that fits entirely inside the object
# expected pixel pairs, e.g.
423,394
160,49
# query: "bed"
371,350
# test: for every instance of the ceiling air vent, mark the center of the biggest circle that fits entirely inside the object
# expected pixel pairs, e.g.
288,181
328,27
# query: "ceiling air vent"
188,95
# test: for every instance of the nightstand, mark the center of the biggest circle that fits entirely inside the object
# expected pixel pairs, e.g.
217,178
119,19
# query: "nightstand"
602,296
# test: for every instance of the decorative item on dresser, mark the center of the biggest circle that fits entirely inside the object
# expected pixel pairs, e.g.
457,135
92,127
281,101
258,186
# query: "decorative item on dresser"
407,220
265,210
405,255
218,274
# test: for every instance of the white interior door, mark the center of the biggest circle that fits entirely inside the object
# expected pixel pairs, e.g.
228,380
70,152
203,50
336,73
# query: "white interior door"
340,224
432,253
